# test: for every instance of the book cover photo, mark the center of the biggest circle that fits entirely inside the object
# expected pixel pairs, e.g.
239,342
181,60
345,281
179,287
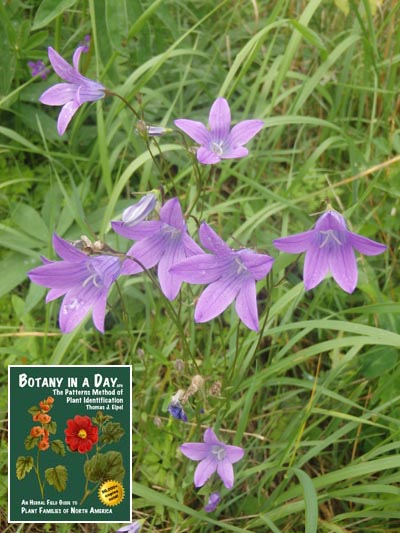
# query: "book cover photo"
70,443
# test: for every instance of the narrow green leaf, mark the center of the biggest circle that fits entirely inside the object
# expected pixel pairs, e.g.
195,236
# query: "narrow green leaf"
117,24
49,10
310,500
30,221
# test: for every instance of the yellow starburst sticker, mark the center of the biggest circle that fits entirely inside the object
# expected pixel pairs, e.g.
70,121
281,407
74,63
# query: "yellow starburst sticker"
111,493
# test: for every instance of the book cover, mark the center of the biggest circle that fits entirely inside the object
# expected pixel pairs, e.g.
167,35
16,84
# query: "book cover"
70,443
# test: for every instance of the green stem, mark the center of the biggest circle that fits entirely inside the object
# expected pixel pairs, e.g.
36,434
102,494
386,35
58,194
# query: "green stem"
111,93
37,471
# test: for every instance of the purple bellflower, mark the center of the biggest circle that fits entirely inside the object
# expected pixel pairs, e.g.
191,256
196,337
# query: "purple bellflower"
220,141
214,456
212,503
231,275
38,68
163,242
73,94
329,246
131,528
83,280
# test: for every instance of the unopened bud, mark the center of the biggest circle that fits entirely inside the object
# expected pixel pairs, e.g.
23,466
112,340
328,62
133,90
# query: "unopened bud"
140,211
151,131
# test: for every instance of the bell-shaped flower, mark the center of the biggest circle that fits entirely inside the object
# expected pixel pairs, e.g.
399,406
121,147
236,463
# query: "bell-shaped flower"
329,247
74,93
230,275
83,280
162,242
214,456
220,141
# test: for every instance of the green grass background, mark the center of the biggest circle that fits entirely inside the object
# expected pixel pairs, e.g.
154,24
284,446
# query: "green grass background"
315,397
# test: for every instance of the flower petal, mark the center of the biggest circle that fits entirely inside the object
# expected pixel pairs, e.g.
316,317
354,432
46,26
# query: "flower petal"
364,245
169,282
196,130
147,251
99,311
207,157
233,453
73,311
59,275
200,269
246,304
53,294
89,91
58,94
76,57
66,250
259,265
197,451
220,119
210,437
225,472
331,220
244,131
216,298
62,68
316,266
139,231
212,241
171,213
65,116
342,262
235,153
295,244
191,247
205,469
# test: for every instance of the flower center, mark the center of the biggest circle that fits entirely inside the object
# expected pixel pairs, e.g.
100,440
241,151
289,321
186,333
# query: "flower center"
172,232
93,278
217,147
330,236
82,434
240,266
218,451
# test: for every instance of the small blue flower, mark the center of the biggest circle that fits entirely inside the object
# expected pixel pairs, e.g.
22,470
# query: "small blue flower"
176,410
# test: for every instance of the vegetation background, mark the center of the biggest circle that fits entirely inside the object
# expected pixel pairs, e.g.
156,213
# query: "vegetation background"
315,397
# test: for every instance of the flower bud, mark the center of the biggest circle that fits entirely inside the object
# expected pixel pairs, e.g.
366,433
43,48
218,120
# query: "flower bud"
138,212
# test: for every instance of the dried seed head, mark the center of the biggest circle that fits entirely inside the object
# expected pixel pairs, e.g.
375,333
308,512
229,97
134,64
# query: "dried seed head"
215,389
157,421
179,365
196,384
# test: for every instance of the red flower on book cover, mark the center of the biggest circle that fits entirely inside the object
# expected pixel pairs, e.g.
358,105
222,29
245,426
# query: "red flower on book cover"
80,434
